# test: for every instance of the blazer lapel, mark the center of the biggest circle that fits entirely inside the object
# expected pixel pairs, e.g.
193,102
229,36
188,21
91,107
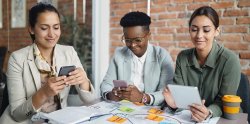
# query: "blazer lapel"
127,66
34,71
149,68
58,61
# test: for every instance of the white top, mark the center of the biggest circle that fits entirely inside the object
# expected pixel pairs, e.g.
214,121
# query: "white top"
137,68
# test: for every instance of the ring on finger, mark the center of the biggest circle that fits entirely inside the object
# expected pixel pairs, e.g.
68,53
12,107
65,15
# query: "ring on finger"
115,92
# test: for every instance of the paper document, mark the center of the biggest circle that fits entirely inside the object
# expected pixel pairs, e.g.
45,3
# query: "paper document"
70,115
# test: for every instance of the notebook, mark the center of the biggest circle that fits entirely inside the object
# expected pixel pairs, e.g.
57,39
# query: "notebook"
70,115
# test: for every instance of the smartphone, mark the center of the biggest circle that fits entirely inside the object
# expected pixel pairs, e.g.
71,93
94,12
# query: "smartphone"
65,70
120,83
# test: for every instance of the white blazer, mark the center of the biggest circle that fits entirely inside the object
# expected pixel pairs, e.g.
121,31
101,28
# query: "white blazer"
23,80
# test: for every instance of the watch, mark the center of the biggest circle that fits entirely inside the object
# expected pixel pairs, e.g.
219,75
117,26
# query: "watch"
144,98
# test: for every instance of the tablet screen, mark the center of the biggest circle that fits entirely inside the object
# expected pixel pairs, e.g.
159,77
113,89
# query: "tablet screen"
184,95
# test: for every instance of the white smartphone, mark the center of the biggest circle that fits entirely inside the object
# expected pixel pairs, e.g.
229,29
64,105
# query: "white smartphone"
120,83
184,96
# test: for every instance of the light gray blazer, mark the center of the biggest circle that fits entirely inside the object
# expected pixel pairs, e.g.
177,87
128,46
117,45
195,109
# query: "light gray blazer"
23,80
158,71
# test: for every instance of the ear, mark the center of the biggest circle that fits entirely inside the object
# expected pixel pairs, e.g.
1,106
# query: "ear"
149,34
31,30
217,32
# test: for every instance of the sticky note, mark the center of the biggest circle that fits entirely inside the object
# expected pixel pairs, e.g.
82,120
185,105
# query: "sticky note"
138,103
126,109
155,111
116,119
113,118
154,117
125,101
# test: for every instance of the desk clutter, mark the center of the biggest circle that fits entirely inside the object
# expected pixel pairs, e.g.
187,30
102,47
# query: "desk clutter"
123,112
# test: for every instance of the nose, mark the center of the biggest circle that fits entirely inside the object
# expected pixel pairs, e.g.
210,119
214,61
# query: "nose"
133,44
50,33
199,34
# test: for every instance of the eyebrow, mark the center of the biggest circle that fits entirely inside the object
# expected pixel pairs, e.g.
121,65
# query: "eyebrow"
52,25
202,26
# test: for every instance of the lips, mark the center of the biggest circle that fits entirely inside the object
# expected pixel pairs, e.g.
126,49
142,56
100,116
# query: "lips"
50,40
199,41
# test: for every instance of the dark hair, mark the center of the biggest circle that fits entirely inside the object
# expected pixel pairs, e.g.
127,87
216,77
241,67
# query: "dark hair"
206,11
136,19
36,10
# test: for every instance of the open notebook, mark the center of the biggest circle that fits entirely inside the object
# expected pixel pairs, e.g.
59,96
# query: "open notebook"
71,115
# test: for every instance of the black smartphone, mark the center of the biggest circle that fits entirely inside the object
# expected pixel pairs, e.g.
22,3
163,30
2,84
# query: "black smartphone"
65,70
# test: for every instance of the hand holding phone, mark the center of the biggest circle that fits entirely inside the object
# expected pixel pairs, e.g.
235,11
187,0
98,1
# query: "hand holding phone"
120,83
65,70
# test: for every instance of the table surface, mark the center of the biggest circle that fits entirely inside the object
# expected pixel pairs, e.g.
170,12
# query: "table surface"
241,120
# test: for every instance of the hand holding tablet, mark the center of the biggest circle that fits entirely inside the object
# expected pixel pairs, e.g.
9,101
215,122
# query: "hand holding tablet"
184,96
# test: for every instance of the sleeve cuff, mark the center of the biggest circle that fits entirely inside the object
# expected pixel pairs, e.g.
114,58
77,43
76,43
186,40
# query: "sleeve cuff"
36,110
151,99
210,114
208,117
104,95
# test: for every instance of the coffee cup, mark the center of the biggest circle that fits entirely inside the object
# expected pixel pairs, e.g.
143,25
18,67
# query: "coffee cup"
231,106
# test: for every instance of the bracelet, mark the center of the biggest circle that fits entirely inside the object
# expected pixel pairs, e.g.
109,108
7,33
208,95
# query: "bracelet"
144,98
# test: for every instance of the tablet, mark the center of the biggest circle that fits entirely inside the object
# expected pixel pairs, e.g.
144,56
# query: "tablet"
184,95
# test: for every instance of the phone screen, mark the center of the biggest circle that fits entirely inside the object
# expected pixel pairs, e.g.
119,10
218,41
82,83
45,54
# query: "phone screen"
119,83
65,70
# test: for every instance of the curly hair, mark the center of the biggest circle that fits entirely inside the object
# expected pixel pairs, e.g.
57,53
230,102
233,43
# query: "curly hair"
136,19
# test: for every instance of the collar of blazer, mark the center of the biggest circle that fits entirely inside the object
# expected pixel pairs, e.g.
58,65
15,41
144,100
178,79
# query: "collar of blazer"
34,71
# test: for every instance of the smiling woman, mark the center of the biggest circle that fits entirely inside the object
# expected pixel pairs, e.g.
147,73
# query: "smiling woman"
146,68
33,84
47,30
211,67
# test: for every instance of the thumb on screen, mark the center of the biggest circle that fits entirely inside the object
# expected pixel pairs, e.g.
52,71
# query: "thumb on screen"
203,101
